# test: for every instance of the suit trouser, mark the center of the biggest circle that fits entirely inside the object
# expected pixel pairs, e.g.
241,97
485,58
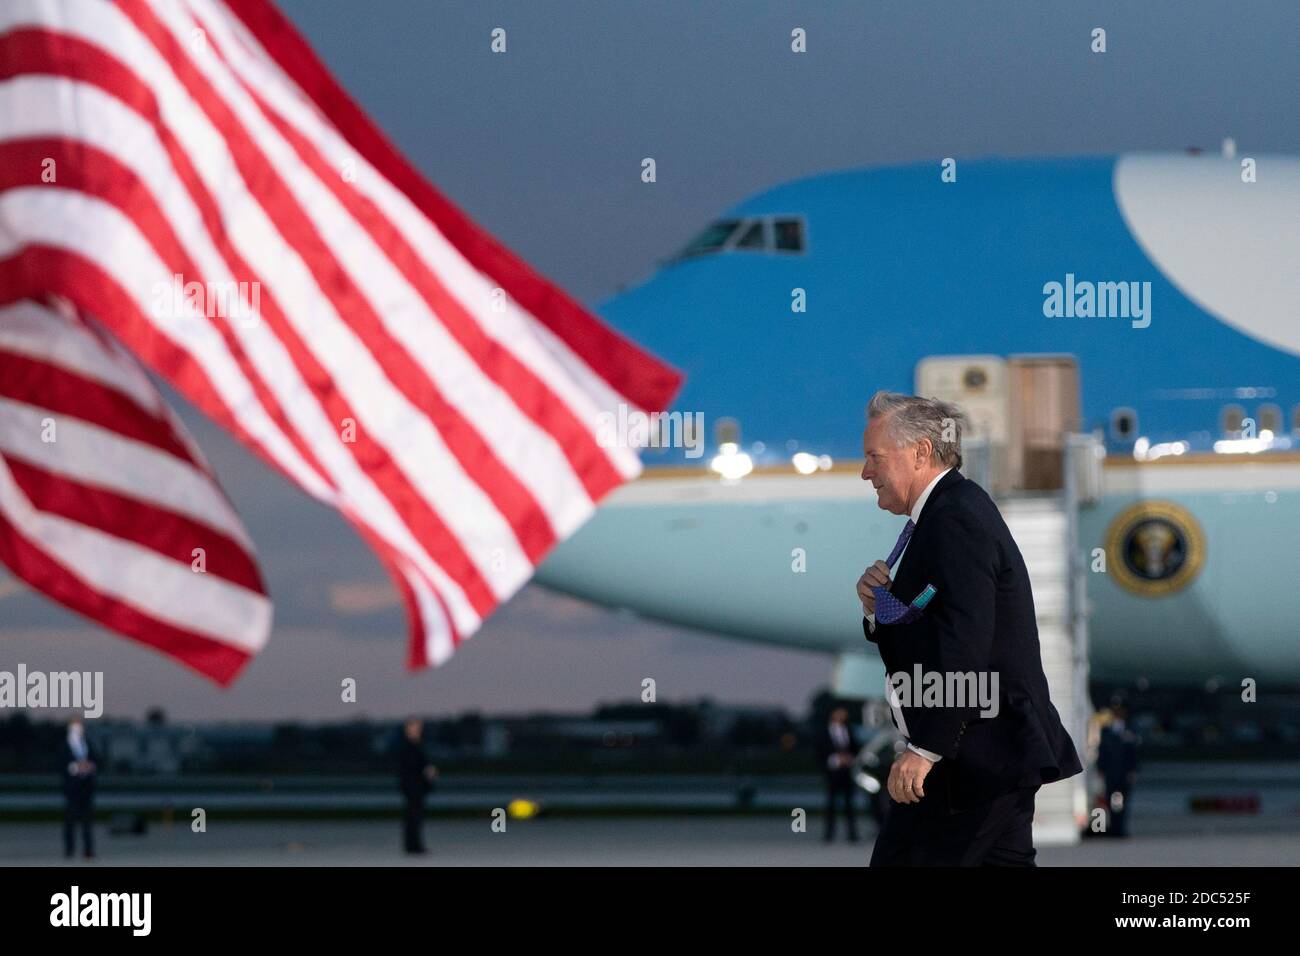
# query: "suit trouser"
78,812
926,833
839,783
1117,800
413,822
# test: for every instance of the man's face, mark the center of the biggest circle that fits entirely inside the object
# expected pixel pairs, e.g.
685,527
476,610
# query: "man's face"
413,730
889,468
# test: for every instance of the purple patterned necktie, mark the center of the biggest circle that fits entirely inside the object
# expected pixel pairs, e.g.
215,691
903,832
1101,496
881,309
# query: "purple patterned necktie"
901,543
889,609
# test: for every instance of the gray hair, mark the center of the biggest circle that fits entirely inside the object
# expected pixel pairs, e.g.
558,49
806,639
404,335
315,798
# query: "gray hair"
912,418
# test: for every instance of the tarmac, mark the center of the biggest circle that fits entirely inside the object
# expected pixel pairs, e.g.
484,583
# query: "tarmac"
758,841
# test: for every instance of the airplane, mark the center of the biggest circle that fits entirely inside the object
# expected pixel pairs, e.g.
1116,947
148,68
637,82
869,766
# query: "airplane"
1146,300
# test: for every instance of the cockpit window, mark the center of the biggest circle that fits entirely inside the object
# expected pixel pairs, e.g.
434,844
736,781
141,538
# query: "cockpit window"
752,234
751,237
711,239
789,235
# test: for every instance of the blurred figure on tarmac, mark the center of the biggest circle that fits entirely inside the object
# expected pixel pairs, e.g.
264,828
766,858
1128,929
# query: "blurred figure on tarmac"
836,750
415,777
1117,761
80,765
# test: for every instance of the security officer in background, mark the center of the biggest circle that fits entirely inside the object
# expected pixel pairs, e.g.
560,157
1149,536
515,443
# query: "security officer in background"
835,751
415,777
1117,761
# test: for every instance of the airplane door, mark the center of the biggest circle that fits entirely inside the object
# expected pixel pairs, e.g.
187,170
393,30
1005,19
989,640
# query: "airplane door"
1020,411
1044,409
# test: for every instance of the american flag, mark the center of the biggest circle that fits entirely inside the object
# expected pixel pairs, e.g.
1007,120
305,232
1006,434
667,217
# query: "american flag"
187,176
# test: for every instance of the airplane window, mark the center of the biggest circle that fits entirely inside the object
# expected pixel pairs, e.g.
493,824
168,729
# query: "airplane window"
789,235
1269,418
752,238
1295,419
1232,419
711,239
1123,424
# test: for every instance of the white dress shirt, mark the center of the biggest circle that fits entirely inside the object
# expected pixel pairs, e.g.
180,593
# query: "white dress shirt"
840,738
77,743
894,704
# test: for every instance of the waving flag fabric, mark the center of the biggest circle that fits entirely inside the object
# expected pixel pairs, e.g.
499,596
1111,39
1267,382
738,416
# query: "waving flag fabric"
188,173
107,506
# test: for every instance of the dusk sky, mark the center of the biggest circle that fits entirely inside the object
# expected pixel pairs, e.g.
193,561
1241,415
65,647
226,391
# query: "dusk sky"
542,146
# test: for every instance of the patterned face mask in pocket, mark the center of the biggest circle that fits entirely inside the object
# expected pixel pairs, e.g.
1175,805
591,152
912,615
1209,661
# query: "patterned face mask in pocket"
890,610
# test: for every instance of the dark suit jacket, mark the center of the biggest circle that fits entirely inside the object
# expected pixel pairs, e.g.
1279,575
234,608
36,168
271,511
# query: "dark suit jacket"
79,786
980,620
1117,757
826,747
411,761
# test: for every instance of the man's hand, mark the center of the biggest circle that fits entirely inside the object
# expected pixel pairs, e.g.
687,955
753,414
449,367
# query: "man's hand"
906,777
876,576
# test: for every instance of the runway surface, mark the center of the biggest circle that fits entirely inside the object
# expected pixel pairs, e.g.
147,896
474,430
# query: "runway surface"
635,841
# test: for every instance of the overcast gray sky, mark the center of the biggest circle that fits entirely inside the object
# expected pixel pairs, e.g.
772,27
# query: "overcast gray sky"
543,145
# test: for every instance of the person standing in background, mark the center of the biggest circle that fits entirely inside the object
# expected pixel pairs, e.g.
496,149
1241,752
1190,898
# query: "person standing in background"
80,767
1117,761
415,777
836,750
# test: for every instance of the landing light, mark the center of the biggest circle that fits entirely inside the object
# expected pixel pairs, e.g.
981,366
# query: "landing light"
1145,451
1237,446
804,463
731,463
807,464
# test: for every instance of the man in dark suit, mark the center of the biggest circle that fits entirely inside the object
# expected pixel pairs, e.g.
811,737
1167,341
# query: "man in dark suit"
80,765
415,777
1117,761
964,789
836,749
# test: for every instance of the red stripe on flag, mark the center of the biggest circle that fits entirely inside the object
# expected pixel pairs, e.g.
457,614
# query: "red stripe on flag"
165,532
61,391
220,662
